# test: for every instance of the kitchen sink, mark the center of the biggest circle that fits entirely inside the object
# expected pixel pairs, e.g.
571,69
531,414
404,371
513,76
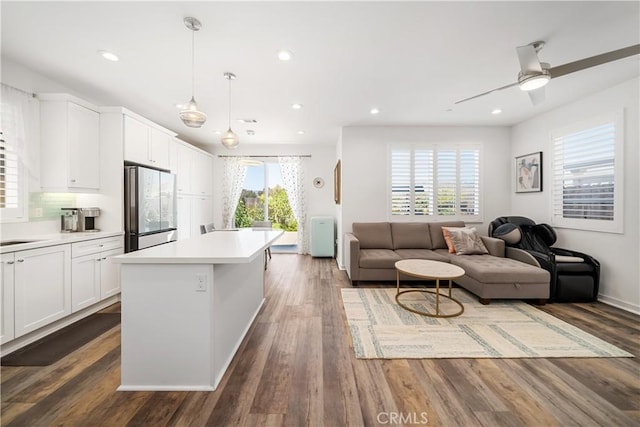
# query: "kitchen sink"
16,242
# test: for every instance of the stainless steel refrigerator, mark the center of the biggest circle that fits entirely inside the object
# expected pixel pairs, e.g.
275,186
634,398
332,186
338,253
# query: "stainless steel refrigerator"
150,207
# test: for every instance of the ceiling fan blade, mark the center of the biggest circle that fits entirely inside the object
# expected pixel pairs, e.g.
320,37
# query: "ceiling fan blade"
537,95
486,93
593,61
528,57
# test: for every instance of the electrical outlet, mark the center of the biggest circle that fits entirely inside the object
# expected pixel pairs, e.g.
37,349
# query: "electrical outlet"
37,212
201,283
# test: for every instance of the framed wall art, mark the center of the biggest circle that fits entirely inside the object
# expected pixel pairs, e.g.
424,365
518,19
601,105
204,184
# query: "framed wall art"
336,183
529,173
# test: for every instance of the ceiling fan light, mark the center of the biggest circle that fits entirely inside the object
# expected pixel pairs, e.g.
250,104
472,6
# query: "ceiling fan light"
537,81
230,139
191,116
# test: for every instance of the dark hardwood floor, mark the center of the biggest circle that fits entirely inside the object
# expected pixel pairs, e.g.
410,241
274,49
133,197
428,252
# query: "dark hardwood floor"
296,368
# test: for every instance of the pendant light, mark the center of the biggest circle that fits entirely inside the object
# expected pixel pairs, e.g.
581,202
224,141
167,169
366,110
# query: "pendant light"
191,116
229,138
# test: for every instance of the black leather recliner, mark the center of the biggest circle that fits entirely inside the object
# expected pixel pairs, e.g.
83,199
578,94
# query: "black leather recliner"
575,276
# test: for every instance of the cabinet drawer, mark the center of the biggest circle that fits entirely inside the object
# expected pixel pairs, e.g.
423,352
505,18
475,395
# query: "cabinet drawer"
94,246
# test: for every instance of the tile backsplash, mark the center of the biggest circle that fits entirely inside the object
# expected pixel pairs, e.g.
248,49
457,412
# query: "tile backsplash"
46,206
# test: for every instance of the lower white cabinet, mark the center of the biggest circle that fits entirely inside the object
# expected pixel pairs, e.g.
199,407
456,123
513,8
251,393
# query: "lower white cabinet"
42,287
7,331
193,211
93,275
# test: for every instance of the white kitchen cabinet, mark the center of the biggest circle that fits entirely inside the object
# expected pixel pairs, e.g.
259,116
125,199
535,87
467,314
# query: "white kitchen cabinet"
184,164
7,331
69,144
93,276
184,217
201,175
193,211
201,213
145,144
42,287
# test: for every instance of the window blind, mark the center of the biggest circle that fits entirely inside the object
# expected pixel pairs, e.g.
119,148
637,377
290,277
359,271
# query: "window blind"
584,170
9,170
432,180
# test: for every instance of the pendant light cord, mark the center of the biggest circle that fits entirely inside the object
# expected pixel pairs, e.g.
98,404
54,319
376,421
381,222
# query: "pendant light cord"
229,102
193,63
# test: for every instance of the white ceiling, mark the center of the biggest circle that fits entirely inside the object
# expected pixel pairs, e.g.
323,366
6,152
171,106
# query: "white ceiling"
412,60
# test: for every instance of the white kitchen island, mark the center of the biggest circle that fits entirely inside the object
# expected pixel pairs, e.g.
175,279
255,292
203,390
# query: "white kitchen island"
187,305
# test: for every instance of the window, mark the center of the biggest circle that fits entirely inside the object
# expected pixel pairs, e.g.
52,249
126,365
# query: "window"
12,172
435,180
587,175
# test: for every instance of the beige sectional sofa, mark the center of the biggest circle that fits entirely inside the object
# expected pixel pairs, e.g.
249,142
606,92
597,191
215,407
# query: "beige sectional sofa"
372,249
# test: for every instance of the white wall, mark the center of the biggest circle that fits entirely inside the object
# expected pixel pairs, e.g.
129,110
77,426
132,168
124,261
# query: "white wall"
619,254
365,169
320,164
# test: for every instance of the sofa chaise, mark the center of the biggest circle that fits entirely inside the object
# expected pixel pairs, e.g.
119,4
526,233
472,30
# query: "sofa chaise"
373,248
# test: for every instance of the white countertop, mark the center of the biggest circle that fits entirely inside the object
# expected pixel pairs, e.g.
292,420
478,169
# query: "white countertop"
41,241
217,247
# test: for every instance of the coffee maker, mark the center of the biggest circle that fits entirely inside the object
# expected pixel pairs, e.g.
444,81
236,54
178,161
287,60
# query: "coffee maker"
88,219
79,219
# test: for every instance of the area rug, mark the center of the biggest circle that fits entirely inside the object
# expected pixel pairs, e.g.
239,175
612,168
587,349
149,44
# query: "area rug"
55,346
381,329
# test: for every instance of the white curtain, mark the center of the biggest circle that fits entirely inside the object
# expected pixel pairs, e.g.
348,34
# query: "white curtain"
233,177
293,179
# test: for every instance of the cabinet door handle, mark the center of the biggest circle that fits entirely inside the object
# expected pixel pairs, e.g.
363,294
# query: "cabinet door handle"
73,180
20,260
98,259
10,262
100,246
103,259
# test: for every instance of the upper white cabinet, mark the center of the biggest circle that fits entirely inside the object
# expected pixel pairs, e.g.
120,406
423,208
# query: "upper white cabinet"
69,144
146,144
193,169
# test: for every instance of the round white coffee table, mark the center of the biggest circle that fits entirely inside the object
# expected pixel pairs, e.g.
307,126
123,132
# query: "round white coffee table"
427,269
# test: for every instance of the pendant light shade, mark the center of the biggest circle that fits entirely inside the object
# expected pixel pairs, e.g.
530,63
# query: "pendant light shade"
191,116
229,138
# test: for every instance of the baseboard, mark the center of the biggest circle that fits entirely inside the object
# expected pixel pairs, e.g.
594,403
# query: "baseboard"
24,340
615,302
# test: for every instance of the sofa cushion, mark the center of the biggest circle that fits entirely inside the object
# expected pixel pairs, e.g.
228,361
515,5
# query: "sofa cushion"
373,235
421,254
491,269
466,241
435,230
378,258
410,235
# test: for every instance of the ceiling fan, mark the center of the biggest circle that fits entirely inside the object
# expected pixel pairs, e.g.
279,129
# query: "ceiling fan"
534,75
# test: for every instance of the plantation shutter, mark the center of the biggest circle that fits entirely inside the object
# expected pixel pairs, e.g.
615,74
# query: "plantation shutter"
584,173
9,171
469,182
431,180
401,177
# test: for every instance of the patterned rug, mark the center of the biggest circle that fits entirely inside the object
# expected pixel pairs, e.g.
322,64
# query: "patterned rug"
380,329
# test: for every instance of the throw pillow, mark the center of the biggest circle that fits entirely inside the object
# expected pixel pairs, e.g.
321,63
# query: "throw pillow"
466,241
447,239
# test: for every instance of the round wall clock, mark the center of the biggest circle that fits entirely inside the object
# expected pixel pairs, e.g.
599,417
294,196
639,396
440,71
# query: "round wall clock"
318,182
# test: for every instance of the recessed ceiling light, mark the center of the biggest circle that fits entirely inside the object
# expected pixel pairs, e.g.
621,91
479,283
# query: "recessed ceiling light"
248,121
251,132
218,132
296,106
284,55
180,106
110,56
374,111
300,132
496,111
